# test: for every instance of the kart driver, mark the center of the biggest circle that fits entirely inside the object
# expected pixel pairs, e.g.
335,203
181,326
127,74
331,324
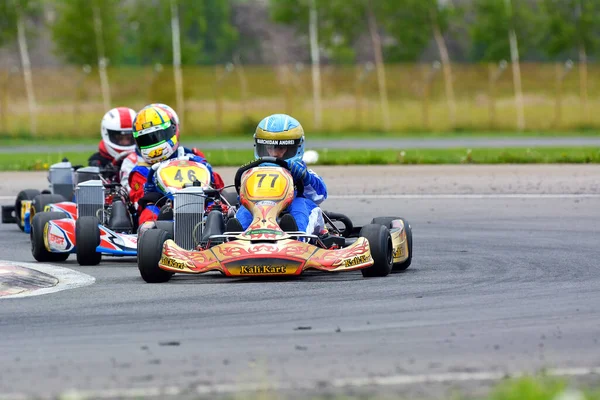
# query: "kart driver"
117,140
132,159
156,135
289,134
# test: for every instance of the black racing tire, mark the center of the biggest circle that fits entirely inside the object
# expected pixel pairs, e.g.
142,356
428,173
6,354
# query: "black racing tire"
87,238
387,221
148,255
42,200
168,226
38,248
380,242
27,194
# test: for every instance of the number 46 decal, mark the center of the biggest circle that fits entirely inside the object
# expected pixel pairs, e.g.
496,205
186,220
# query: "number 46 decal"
263,176
191,175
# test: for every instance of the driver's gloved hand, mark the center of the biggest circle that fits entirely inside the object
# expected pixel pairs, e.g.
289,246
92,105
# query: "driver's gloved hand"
149,187
299,171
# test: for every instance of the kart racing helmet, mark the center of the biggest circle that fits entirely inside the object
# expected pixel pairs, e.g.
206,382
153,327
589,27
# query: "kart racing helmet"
116,131
169,109
156,134
281,136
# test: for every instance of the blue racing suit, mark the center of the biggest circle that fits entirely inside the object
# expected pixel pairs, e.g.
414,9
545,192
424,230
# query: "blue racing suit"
140,189
304,209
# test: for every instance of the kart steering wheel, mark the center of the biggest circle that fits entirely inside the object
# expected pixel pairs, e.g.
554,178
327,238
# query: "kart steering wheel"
273,160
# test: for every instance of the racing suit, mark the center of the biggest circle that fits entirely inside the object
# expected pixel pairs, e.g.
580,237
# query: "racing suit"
304,209
146,194
101,158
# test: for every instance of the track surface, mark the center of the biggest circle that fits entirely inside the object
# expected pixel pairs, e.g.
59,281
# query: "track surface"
317,144
499,283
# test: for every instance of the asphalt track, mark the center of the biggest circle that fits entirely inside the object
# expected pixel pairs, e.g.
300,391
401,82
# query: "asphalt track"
386,143
504,280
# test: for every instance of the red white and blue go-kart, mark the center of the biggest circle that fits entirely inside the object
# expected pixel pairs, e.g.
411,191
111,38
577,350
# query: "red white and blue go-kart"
63,177
103,227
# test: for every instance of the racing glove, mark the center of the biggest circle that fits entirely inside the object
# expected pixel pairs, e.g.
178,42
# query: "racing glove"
149,187
299,171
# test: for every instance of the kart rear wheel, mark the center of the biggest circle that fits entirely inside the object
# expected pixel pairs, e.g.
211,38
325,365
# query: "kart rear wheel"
42,200
380,242
149,252
38,248
87,238
27,194
387,221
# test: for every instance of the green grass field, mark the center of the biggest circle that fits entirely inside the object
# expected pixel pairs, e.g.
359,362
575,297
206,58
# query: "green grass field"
26,139
41,161
70,102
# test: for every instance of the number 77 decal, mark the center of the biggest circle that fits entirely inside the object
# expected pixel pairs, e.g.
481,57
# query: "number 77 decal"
263,176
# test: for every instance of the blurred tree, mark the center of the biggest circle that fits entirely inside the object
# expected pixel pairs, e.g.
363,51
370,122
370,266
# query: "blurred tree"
207,35
10,10
13,22
340,23
74,30
504,29
422,20
492,23
573,25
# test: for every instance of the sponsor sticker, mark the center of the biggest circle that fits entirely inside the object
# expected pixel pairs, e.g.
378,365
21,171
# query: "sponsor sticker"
55,239
351,262
262,269
276,142
398,252
171,263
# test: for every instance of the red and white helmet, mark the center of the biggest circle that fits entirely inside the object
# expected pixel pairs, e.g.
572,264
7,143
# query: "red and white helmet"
117,131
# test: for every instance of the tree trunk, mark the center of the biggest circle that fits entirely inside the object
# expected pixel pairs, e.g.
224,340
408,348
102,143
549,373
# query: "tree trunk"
376,40
177,61
316,65
23,50
239,68
514,55
583,85
446,67
102,61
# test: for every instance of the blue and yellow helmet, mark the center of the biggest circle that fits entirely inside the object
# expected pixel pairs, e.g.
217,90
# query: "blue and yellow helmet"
281,136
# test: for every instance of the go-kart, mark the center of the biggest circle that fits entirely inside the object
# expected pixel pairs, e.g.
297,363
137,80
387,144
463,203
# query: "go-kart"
192,244
106,220
62,178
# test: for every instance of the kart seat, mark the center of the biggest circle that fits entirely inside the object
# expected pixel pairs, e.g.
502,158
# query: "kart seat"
119,217
234,225
287,223
214,225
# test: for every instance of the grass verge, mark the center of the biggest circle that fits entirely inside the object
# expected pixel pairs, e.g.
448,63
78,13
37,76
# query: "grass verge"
27,139
542,155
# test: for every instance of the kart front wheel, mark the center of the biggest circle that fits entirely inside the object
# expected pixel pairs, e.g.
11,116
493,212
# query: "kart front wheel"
87,239
150,247
27,194
37,233
387,221
380,242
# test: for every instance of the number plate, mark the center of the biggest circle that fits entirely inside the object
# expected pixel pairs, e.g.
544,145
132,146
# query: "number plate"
178,173
267,184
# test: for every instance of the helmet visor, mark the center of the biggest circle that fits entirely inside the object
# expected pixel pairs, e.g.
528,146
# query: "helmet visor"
277,148
153,138
121,138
